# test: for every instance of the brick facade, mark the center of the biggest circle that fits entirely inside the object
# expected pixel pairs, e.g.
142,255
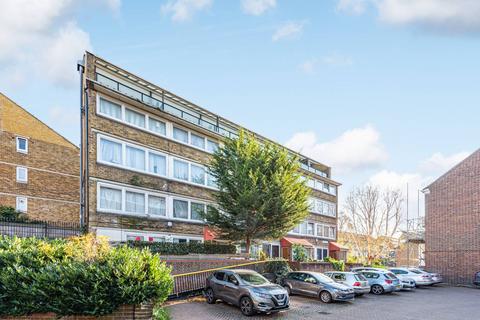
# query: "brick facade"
116,127
52,163
452,222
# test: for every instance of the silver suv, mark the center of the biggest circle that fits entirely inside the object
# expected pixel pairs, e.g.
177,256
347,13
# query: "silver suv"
246,289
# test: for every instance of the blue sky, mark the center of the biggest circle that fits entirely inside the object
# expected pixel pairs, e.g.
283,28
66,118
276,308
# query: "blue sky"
384,91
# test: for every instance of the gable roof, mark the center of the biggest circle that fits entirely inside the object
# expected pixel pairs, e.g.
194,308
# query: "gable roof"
453,169
17,120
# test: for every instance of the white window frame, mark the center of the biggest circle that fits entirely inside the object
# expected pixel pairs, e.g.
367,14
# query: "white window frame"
17,139
168,203
18,170
331,207
17,201
168,125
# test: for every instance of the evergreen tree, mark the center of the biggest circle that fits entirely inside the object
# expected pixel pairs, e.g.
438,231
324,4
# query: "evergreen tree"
262,195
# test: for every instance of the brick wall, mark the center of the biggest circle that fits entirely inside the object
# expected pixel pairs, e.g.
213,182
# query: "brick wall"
125,312
52,189
452,223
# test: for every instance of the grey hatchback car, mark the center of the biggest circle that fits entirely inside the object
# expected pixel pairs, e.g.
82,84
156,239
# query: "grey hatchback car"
246,289
382,281
317,285
353,279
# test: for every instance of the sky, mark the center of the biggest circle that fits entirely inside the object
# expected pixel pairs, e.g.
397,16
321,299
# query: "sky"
385,92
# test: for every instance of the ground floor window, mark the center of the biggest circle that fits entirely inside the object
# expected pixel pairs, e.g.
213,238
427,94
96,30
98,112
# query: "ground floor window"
271,250
321,253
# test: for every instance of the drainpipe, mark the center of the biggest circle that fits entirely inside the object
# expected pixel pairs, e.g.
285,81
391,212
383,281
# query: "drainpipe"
81,69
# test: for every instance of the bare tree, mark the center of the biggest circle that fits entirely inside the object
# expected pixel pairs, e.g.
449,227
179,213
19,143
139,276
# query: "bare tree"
370,221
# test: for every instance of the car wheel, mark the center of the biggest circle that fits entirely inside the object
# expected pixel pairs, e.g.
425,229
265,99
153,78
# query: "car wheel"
210,296
377,289
246,306
289,291
325,297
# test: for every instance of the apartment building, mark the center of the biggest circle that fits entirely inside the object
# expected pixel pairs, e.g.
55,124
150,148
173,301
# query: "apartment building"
144,151
39,169
452,222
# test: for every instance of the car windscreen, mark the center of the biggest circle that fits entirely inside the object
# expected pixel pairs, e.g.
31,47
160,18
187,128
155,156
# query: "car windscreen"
390,276
253,278
360,277
416,271
323,278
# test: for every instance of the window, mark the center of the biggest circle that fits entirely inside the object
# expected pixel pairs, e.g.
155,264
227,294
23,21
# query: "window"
231,278
310,228
156,239
110,109
180,135
135,202
157,126
157,206
22,204
22,174
110,198
319,230
180,240
197,141
157,164
212,146
22,145
211,181
332,232
180,170
220,275
110,151
135,118
180,209
322,253
197,209
135,158
197,174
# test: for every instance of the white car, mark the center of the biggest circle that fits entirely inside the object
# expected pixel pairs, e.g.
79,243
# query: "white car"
436,277
421,279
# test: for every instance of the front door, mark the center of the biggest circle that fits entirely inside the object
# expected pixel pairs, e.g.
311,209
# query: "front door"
286,253
275,251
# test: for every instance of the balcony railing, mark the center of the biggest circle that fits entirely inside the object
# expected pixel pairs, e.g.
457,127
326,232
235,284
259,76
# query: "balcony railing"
175,111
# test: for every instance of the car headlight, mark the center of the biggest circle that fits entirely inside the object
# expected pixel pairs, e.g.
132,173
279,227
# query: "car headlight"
261,294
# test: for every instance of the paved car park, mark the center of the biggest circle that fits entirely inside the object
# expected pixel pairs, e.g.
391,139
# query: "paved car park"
432,303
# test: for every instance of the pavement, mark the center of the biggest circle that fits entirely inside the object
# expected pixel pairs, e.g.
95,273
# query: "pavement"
431,303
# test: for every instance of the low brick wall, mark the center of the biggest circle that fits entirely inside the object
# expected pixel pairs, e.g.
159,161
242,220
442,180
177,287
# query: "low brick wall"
125,312
319,266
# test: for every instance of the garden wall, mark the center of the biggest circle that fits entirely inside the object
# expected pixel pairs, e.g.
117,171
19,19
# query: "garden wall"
319,266
125,312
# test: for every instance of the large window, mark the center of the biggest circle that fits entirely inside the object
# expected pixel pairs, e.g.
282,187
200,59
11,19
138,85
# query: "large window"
157,126
135,118
180,170
110,109
197,174
197,209
323,207
212,146
157,164
110,199
157,206
197,141
180,135
180,209
110,151
315,229
135,202
135,158
21,204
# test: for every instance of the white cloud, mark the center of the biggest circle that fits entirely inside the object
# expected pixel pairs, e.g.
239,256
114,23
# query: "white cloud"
257,7
336,60
355,7
183,10
355,149
288,30
40,38
386,179
439,15
309,66
438,163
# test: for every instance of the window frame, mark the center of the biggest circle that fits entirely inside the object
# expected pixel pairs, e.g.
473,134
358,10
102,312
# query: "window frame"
18,170
17,201
17,144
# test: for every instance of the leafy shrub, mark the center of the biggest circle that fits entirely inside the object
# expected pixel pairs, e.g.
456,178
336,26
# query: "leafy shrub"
7,212
299,253
167,248
277,267
338,265
82,276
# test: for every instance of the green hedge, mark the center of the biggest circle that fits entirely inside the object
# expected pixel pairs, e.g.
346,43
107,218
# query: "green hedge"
168,248
81,276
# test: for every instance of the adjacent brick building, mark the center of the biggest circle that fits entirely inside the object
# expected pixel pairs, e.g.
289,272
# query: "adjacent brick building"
39,169
143,153
452,222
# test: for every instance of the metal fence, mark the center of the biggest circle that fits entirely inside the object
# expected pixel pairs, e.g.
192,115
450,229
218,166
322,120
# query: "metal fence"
195,281
39,229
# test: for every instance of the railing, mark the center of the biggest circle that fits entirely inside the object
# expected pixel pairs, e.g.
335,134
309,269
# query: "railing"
162,105
166,107
196,281
39,229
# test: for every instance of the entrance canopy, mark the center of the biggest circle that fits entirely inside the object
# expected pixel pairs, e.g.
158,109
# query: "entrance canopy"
334,246
288,242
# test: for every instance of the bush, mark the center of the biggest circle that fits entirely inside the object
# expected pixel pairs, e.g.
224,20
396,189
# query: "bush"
7,212
299,253
82,276
168,248
279,268
338,265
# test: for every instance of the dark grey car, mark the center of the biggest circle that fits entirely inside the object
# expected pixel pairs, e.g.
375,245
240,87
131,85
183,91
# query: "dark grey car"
246,289
317,285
